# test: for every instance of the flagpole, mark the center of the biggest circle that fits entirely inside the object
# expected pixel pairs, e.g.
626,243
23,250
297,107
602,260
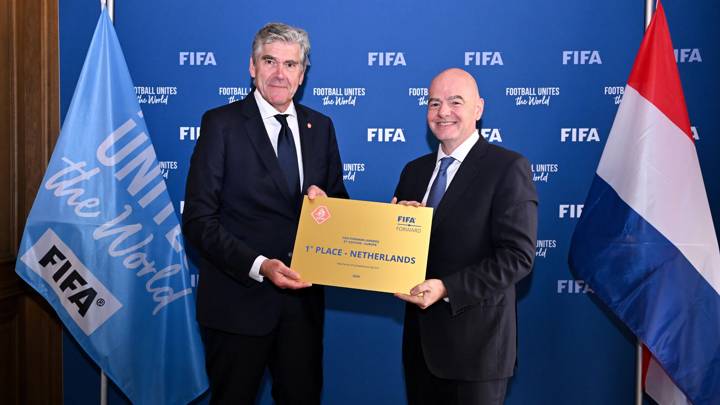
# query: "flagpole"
110,4
649,11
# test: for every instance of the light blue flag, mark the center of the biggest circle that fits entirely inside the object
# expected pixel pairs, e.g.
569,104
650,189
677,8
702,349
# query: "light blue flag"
103,245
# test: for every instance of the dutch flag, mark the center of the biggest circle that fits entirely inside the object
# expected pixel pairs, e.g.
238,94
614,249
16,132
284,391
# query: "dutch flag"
646,243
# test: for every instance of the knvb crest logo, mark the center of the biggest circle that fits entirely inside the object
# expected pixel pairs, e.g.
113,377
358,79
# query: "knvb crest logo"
615,93
687,55
339,96
585,57
155,94
196,58
419,94
386,59
579,135
166,166
483,58
87,301
350,170
232,94
321,214
385,135
542,246
532,96
541,171
189,133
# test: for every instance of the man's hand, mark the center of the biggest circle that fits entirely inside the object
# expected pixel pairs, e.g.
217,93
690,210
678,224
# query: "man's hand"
425,294
281,275
314,192
408,203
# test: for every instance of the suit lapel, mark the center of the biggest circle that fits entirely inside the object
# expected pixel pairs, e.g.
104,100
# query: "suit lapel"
261,142
466,175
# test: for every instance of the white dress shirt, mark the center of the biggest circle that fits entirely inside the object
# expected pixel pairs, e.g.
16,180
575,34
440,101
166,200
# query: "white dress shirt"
459,155
272,127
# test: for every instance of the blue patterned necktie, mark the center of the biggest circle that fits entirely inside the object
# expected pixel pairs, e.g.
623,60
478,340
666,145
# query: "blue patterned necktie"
287,155
440,183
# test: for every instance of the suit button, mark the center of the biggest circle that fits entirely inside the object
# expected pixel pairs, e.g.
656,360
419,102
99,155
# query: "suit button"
289,254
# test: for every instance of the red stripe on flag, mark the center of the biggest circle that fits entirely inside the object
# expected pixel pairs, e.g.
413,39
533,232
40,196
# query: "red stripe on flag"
645,363
655,74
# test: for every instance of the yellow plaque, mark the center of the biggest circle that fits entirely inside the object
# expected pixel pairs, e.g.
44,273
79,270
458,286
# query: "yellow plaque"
361,244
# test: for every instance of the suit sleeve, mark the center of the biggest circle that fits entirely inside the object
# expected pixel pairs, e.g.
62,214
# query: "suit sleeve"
201,217
335,183
513,235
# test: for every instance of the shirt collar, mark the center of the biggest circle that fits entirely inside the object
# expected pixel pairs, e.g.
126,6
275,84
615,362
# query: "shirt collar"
461,151
268,111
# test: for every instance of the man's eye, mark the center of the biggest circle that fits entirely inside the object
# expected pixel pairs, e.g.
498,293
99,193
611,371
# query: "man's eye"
291,65
269,62
434,105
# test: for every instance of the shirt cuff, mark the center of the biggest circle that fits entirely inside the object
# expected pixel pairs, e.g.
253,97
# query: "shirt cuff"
255,269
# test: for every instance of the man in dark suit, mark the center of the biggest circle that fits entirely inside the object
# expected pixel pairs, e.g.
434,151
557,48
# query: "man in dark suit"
459,341
249,170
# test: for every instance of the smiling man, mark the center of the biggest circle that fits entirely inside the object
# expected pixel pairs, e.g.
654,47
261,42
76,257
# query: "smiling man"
252,165
459,340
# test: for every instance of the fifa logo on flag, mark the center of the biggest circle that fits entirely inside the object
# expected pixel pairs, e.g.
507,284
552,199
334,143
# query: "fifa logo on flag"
84,297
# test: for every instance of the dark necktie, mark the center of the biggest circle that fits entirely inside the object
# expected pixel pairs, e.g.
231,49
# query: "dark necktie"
440,183
287,155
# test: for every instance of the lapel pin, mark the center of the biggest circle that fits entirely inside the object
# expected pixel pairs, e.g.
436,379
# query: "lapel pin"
309,125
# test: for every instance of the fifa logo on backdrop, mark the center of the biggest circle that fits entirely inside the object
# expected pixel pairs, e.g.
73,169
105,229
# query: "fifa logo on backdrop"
350,170
189,133
166,166
543,245
570,210
573,287
386,59
484,58
541,171
581,58
385,135
687,55
196,58
579,135
492,135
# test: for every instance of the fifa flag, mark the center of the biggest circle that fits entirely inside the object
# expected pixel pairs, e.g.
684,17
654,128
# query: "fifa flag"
103,245
645,242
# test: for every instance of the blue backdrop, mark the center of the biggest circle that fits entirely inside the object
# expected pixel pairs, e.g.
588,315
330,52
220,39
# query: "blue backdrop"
552,76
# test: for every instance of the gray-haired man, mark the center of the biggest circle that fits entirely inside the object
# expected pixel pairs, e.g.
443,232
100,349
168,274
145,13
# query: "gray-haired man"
255,160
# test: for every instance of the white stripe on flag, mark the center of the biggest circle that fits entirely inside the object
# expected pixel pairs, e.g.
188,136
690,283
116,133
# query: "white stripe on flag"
661,388
653,167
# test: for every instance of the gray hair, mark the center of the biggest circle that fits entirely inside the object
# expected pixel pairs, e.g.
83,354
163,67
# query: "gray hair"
274,32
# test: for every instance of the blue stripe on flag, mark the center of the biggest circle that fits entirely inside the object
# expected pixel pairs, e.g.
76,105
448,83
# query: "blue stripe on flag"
652,287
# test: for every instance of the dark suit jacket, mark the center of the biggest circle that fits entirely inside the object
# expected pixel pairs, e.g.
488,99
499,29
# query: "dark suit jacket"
482,243
237,206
